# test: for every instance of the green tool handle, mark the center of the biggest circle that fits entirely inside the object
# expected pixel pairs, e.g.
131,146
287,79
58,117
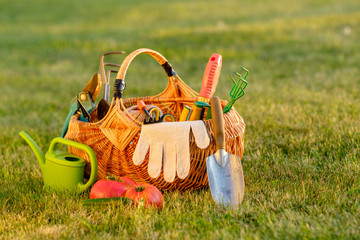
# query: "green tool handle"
228,106
105,201
87,149
218,123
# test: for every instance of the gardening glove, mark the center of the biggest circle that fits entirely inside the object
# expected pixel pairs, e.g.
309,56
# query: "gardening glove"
169,145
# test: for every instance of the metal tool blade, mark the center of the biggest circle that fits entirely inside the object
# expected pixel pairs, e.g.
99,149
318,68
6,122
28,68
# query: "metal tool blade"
226,179
225,174
93,87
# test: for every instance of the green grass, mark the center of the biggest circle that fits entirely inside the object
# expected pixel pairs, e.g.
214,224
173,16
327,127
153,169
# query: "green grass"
301,107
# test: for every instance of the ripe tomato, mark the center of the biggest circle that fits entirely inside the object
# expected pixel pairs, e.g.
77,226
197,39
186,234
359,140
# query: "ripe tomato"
109,188
126,180
146,193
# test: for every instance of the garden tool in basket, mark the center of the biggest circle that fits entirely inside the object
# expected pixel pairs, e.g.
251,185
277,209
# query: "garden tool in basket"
225,174
83,111
169,146
208,86
237,91
185,114
106,77
86,97
154,115
104,104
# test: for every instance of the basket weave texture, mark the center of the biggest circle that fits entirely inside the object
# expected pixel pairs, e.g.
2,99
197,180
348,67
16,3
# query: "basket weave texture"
114,138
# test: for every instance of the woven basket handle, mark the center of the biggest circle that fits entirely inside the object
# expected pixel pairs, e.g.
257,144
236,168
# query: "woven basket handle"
119,85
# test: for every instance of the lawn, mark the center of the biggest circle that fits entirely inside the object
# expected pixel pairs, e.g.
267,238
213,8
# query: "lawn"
301,109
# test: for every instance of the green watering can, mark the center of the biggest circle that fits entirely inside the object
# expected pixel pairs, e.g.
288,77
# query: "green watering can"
62,170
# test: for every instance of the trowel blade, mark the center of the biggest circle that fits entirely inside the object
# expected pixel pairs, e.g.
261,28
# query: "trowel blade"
226,178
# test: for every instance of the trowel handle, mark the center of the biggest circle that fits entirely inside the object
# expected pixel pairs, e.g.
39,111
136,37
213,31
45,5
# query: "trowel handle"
218,123
87,149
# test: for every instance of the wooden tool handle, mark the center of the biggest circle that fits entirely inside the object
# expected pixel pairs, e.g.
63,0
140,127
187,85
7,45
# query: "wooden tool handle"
218,122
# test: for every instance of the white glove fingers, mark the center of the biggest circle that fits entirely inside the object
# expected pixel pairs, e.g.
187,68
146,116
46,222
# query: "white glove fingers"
170,162
200,133
141,150
155,159
183,159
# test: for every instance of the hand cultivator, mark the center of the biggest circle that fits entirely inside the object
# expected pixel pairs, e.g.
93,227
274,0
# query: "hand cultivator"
237,91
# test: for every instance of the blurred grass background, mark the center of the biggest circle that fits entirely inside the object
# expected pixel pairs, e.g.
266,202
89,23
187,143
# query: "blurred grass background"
301,108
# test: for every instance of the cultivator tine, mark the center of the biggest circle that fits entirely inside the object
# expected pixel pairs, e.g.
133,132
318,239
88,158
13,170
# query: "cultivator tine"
238,90
103,64
111,71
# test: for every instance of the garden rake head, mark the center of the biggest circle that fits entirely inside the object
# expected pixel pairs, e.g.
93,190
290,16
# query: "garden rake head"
237,91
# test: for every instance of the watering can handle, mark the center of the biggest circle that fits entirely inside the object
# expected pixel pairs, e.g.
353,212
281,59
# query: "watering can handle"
88,150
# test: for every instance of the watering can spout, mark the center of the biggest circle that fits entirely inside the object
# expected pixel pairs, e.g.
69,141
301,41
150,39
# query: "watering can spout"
39,155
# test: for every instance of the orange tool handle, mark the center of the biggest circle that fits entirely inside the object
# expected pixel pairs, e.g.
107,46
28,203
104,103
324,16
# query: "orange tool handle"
211,77
142,106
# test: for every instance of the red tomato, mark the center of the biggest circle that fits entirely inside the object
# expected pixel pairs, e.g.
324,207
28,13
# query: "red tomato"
122,179
149,194
127,180
108,188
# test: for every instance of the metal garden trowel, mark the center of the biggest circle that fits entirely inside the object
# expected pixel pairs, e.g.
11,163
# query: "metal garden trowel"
225,174
86,97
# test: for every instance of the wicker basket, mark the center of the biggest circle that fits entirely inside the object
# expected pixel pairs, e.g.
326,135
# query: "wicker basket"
114,138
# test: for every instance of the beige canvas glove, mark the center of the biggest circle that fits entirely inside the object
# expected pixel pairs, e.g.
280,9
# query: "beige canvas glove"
169,146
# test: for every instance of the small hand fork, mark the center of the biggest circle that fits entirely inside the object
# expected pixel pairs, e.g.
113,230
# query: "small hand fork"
237,91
